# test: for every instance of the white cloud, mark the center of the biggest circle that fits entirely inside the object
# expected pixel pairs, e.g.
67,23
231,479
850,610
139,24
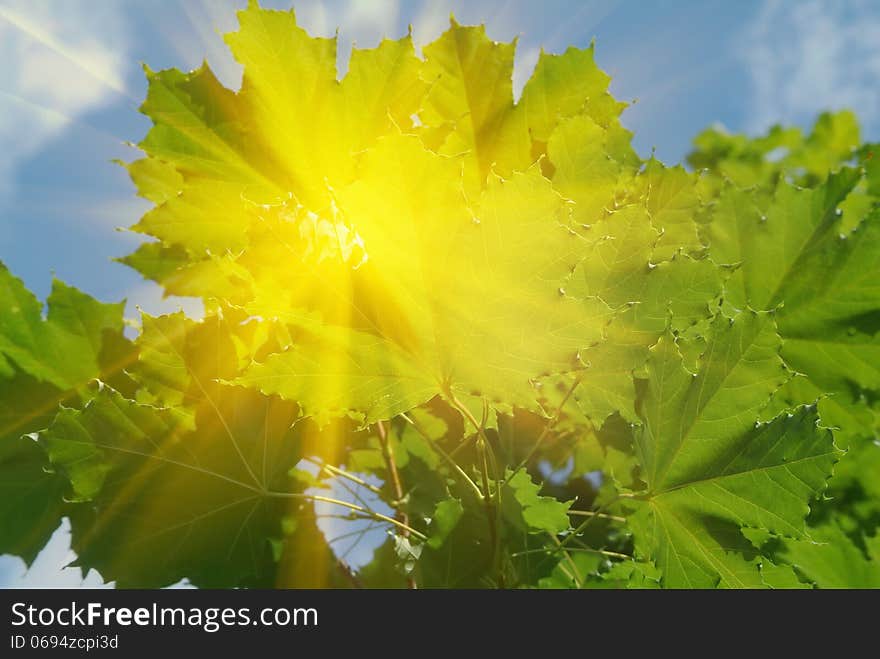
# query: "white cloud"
60,61
811,56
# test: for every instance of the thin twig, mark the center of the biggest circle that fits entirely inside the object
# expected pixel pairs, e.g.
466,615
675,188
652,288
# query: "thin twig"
351,506
583,526
493,508
336,471
578,579
589,550
446,456
590,513
388,454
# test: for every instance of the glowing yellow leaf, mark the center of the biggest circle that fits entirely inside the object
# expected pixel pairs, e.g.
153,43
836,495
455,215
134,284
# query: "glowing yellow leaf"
472,89
474,300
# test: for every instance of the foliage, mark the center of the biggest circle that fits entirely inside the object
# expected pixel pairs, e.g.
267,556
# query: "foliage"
535,359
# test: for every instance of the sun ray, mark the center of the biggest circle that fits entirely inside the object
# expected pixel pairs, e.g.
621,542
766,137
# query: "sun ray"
209,20
44,37
585,19
59,117
221,418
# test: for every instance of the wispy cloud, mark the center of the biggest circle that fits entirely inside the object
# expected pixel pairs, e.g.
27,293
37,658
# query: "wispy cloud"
60,61
810,56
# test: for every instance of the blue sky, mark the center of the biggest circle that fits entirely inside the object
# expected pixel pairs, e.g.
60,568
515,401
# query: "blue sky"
70,85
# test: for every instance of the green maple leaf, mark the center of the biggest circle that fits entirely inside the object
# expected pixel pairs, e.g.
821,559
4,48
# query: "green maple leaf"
832,560
574,121
618,269
824,284
181,274
181,361
471,90
773,246
566,85
45,362
760,161
170,501
31,501
632,574
572,572
67,348
710,470
673,201
526,509
829,322
796,257
583,168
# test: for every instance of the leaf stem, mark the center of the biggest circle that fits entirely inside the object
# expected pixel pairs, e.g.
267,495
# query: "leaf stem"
491,505
575,573
391,464
493,508
597,514
589,550
446,456
466,413
350,506
590,513
336,471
